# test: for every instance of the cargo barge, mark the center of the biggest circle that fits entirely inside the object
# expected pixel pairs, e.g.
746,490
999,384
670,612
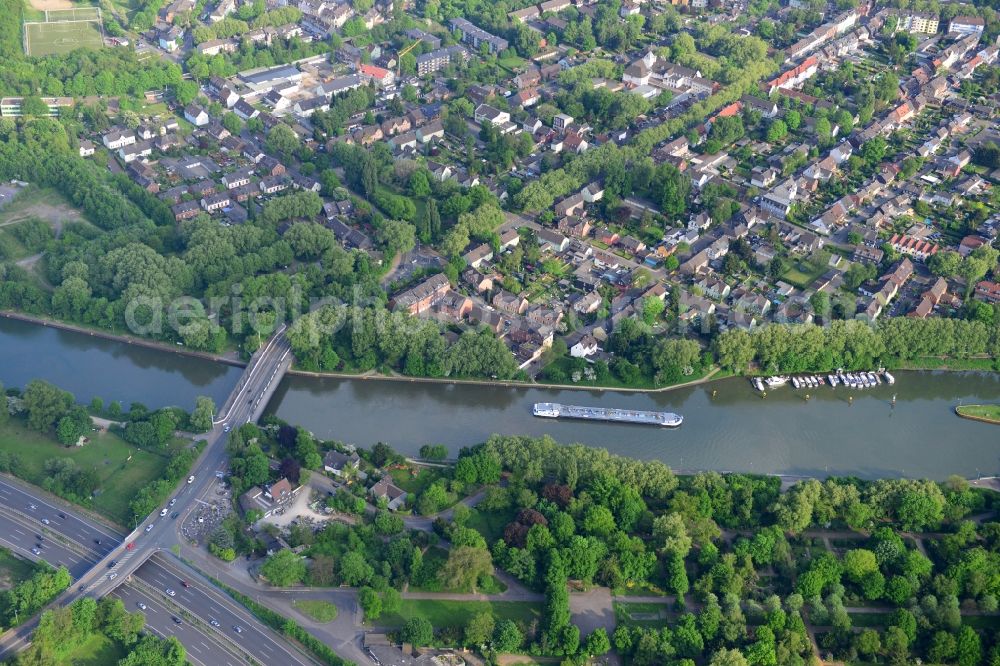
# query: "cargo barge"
553,410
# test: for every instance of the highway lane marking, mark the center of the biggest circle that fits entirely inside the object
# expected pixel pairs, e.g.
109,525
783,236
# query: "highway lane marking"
234,610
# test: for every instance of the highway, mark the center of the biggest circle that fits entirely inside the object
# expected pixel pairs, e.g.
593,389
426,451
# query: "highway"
102,559
202,650
60,548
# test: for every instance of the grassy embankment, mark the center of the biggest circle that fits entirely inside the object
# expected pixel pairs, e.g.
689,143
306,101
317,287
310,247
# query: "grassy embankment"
988,413
122,468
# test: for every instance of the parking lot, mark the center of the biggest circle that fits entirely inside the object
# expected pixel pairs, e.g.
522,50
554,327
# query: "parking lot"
209,515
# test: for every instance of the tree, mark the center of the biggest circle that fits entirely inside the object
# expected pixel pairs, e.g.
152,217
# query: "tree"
284,568
597,643
969,648
232,123
777,131
370,603
479,629
369,175
418,631
507,637
945,264
465,566
726,657
354,569
45,404
282,140
869,643
201,417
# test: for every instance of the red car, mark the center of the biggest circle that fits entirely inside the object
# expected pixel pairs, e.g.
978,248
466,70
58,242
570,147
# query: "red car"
185,583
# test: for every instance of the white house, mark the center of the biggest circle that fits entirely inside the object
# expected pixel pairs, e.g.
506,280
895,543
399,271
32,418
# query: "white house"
586,346
196,115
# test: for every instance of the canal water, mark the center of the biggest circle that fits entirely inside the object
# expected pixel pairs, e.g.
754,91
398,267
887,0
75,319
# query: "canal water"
89,366
734,430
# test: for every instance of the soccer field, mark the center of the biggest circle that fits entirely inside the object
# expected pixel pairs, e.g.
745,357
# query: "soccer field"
62,37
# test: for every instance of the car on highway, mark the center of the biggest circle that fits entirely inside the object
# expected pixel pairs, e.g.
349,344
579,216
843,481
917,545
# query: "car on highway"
174,514
173,501
170,593
36,550
238,629
191,479
225,428
141,606
149,527
164,512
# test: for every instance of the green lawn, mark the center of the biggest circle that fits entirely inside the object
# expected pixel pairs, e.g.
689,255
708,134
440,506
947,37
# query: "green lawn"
489,523
316,609
443,613
98,650
13,570
988,412
870,619
802,275
418,482
122,468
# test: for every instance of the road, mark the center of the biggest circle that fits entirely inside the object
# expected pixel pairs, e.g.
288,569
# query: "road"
120,557
245,404
70,542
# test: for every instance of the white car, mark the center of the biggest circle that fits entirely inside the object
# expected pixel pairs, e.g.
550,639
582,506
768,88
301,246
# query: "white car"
163,512
149,527
36,550
214,622
173,501
170,593
113,576
141,605
45,521
191,479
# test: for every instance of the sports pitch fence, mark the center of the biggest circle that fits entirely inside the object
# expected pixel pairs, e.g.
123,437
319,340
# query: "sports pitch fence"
64,30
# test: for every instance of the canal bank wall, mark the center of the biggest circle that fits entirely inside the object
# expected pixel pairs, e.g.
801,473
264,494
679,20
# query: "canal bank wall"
981,419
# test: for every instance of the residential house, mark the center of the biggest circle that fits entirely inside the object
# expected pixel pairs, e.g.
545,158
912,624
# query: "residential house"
393,496
475,36
116,138
341,464
477,255
586,346
214,202
185,210
509,303
421,297
273,184
196,115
